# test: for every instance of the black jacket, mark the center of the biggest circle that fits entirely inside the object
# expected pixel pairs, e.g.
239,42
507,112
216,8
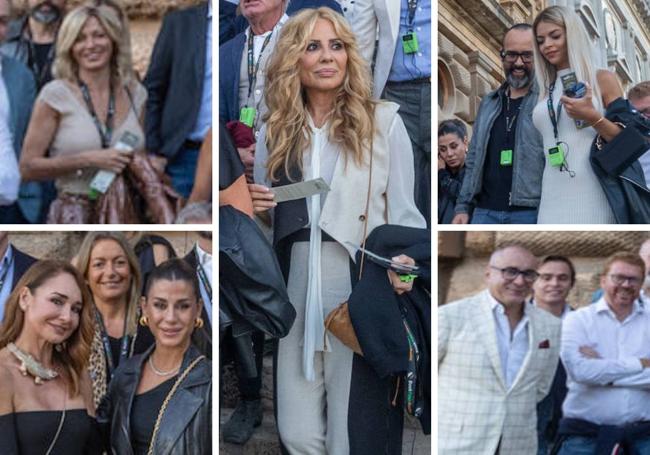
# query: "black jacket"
175,79
22,262
617,165
186,425
376,310
203,338
448,189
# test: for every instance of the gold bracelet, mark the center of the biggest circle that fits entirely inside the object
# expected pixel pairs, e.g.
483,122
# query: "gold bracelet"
597,121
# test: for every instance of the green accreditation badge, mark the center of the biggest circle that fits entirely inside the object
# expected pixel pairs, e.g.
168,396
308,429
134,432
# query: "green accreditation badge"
505,159
410,43
247,116
556,156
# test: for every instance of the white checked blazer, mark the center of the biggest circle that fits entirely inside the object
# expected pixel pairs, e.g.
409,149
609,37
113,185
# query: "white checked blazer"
475,410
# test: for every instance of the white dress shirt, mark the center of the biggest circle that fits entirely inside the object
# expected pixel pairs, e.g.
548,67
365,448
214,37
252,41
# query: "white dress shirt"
513,345
614,389
205,261
6,278
9,174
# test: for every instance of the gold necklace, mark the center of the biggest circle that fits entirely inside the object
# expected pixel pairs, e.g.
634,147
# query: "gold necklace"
29,365
160,372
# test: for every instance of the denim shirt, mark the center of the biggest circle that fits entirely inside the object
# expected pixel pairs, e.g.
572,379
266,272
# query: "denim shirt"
528,163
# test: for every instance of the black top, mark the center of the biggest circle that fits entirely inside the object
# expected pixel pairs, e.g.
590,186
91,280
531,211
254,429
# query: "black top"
497,178
42,61
26,433
144,414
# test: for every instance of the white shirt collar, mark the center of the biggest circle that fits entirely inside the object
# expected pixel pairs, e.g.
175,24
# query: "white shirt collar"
498,306
601,305
202,256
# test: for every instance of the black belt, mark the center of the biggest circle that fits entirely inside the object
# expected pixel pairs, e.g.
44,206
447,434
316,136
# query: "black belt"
192,145
421,80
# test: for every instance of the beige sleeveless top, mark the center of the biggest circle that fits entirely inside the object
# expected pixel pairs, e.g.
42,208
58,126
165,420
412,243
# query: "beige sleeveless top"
77,132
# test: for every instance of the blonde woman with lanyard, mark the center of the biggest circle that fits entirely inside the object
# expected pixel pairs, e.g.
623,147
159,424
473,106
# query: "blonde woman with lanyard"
160,402
112,274
571,193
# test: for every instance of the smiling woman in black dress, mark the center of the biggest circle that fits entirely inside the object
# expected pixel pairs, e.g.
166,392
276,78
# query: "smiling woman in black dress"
45,395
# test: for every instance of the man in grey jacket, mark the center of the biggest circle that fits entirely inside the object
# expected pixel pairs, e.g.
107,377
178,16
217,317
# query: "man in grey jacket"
505,162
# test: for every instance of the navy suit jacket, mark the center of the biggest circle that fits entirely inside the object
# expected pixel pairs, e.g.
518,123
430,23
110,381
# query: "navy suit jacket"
22,262
174,80
230,55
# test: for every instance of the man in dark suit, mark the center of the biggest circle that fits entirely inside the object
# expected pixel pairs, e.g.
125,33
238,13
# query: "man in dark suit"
179,84
200,259
13,264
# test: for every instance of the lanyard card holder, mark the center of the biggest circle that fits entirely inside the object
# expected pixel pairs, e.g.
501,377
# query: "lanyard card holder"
556,155
247,116
505,158
410,43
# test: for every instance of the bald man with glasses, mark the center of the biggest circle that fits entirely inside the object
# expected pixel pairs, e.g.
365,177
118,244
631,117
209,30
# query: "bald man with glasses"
497,356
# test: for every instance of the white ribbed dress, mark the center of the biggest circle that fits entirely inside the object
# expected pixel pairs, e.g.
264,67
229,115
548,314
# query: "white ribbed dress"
566,199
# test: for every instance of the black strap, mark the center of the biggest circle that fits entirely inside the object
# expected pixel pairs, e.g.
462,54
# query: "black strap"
124,344
253,68
40,74
510,121
105,134
555,119
412,7
6,271
204,278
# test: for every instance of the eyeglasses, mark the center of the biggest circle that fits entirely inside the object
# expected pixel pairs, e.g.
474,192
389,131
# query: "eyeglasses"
620,279
511,56
511,273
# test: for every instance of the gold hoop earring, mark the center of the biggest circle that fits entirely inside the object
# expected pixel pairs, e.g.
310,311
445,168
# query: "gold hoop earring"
144,321
198,323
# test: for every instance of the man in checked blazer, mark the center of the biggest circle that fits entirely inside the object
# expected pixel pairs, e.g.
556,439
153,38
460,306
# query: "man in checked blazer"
497,356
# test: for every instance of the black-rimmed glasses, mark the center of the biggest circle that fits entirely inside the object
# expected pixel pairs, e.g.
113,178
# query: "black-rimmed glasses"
511,273
511,56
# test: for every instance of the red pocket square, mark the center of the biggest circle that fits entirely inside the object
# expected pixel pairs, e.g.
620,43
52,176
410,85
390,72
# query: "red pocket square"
544,344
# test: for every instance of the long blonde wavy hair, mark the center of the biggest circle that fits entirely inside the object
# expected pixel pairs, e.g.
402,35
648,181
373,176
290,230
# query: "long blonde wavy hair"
352,122
578,50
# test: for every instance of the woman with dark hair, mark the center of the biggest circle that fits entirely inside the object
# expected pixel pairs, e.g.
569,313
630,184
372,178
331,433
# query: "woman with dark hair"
452,148
46,401
160,401
324,123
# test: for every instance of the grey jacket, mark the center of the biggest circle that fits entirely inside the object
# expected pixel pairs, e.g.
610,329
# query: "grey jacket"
528,164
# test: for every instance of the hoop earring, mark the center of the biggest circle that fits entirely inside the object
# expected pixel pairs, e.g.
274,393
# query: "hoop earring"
144,321
198,323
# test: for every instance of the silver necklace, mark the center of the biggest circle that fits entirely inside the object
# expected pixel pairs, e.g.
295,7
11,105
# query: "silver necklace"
29,365
159,372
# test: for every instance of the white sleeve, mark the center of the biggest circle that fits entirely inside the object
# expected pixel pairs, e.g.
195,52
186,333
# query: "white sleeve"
586,370
401,179
9,173
261,157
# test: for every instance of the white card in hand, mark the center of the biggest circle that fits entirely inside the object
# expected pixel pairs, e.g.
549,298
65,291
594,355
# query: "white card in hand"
299,190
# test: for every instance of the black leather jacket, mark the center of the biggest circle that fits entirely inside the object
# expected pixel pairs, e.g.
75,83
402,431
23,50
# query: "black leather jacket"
616,164
185,428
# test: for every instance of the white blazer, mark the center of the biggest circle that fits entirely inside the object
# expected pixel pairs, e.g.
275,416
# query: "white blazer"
377,19
475,410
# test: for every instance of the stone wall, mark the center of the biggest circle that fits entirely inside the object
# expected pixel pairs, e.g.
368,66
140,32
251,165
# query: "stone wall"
64,245
461,275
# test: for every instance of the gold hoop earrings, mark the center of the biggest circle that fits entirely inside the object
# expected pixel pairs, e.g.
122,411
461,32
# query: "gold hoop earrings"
144,321
198,323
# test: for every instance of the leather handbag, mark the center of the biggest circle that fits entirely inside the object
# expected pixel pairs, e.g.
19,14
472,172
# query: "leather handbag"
338,321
